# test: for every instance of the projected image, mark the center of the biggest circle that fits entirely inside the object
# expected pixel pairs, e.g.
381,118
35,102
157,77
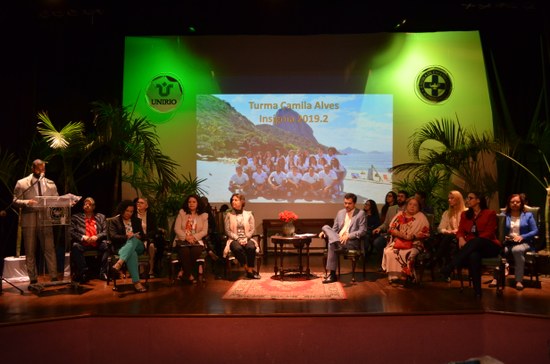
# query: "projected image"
307,148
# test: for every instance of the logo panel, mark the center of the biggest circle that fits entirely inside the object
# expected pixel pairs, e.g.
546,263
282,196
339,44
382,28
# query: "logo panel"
164,93
434,84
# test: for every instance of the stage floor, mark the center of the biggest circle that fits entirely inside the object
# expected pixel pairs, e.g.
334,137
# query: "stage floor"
372,295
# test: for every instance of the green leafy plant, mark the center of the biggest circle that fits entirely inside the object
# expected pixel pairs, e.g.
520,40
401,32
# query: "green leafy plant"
69,143
9,164
115,140
433,184
166,203
129,143
445,151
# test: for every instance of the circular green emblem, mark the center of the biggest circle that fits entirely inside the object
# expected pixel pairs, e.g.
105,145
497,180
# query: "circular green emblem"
434,84
164,93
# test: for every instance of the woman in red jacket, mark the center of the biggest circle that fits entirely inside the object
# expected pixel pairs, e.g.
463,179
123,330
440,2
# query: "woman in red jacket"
476,239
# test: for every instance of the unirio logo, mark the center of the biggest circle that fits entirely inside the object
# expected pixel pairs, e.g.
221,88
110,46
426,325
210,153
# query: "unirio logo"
164,93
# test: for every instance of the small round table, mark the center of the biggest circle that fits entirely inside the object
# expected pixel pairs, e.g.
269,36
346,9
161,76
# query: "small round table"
298,242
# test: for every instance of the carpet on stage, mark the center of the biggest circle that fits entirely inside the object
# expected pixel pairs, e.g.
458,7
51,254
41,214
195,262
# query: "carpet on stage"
291,288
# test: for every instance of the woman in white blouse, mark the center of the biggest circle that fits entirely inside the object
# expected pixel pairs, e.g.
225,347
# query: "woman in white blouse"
239,228
448,226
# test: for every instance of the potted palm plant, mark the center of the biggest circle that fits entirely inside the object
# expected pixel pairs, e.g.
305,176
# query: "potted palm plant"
115,140
445,151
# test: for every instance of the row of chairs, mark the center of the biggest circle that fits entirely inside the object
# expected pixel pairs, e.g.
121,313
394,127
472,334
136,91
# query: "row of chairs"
218,233
202,262
423,261
498,265
143,261
170,256
358,255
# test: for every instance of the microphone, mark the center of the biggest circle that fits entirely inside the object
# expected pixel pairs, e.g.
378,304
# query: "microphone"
41,175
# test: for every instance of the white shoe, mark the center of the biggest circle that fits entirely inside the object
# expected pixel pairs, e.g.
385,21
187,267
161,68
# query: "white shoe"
519,286
493,283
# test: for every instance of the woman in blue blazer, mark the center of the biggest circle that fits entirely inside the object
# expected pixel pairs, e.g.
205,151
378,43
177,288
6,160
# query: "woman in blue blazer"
520,231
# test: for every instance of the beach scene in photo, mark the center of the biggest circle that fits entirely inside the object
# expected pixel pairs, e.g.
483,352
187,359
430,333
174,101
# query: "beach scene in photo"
359,128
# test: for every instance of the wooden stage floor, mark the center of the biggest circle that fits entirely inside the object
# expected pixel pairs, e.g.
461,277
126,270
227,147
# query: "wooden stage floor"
372,295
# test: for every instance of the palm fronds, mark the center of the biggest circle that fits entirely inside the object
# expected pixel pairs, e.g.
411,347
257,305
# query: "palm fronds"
68,136
455,153
8,164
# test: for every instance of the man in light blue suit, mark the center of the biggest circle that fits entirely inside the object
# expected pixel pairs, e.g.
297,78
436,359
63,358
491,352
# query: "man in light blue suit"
346,233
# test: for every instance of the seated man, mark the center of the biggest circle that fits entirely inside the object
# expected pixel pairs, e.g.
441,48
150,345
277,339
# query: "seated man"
424,207
346,233
88,232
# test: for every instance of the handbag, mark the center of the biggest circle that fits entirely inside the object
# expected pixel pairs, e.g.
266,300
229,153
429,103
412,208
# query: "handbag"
402,244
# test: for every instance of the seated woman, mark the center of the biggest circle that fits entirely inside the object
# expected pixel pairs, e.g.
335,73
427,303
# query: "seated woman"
448,227
520,230
407,230
391,199
125,232
191,227
476,239
239,228
372,220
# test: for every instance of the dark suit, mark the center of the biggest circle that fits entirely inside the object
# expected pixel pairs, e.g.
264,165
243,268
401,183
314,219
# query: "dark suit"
117,230
152,236
152,229
31,226
356,231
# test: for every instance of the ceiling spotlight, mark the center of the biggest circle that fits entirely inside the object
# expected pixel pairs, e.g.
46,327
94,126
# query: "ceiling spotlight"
398,25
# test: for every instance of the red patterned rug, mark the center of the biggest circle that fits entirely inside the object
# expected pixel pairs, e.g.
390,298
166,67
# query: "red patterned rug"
291,288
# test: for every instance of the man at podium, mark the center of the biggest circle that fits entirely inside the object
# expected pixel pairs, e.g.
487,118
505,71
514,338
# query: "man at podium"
26,196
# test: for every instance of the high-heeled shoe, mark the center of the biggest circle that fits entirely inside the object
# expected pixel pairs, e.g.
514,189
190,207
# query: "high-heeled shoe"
115,272
138,287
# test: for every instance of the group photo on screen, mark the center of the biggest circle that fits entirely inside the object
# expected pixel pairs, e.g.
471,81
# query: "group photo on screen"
295,148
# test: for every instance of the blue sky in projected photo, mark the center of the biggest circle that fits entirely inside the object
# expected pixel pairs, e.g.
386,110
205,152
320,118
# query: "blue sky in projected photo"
363,122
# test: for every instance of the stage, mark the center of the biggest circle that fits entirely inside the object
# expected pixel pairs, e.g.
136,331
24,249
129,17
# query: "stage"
373,310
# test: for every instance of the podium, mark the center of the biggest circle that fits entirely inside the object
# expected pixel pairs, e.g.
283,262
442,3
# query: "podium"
54,210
